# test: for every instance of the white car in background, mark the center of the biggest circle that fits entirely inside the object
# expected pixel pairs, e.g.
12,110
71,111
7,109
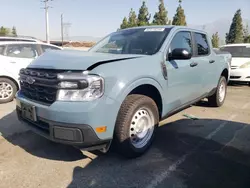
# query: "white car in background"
240,64
13,57
18,38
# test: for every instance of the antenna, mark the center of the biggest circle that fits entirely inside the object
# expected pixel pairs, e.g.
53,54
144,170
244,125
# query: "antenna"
46,7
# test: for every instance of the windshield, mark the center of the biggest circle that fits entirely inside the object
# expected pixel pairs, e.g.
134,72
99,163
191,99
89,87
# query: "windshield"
237,51
146,41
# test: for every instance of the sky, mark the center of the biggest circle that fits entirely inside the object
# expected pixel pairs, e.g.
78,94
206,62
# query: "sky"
98,18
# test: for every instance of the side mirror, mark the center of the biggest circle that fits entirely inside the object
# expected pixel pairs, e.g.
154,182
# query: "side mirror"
179,54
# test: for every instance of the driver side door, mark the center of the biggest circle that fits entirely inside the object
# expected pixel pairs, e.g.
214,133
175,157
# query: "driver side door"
183,78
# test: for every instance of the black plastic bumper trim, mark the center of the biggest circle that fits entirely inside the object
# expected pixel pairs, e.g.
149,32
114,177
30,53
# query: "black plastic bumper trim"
79,135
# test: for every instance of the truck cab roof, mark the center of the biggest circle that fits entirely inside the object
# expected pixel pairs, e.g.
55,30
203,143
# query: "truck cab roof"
172,27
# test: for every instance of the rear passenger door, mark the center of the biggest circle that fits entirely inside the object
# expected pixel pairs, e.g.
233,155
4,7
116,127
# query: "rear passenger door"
183,80
203,55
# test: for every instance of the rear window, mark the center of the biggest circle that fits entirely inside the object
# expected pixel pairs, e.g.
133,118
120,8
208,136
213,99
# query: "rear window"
237,51
202,44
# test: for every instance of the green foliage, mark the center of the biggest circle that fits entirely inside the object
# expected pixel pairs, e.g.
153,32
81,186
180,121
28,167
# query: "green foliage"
13,32
235,34
247,39
124,24
160,17
4,31
132,20
143,16
179,17
215,40
246,35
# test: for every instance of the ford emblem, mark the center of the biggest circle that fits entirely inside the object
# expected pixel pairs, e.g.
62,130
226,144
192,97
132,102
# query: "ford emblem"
30,80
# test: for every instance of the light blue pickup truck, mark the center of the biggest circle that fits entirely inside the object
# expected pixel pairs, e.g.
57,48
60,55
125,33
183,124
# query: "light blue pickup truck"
117,92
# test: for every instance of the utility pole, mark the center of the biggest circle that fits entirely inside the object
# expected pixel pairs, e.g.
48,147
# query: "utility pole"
46,7
65,29
62,28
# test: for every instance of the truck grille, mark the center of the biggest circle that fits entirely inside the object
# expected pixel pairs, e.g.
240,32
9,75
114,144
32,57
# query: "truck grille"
39,84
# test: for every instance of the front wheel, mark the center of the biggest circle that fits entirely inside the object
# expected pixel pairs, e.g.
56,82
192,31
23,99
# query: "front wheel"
8,90
218,98
135,127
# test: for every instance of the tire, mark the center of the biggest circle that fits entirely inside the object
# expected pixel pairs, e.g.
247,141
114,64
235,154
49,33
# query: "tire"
217,100
7,95
125,132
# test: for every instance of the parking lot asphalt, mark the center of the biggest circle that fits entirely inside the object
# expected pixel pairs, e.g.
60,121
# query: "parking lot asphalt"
210,152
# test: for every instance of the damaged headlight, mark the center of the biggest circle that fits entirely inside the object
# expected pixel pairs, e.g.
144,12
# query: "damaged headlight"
83,88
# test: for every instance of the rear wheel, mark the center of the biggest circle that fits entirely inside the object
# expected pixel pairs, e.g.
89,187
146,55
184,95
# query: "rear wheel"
218,98
135,126
8,90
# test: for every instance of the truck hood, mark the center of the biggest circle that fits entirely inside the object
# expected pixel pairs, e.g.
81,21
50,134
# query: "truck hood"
76,60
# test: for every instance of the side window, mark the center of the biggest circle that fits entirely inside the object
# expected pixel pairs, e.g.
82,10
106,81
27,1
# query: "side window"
21,51
45,48
182,40
201,43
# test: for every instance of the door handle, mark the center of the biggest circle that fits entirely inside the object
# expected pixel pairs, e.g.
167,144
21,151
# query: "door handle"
211,61
13,62
193,64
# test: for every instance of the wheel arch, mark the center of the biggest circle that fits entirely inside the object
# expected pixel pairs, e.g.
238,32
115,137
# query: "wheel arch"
13,80
148,87
225,73
152,92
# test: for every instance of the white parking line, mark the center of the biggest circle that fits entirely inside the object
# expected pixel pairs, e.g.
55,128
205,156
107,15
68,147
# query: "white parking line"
172,168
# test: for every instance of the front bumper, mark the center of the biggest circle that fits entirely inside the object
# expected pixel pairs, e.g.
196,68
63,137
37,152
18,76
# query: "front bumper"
72,123
240,75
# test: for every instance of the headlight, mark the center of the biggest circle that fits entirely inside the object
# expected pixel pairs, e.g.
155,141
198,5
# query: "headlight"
245,65
89,88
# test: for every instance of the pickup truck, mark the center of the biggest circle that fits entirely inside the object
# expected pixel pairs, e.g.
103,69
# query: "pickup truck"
116,93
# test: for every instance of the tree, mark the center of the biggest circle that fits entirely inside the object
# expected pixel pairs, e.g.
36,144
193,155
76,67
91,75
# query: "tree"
143,16
179,17
235,34
4,31
160,17
246,35
13,32
124,23
215,40
132,20
247,39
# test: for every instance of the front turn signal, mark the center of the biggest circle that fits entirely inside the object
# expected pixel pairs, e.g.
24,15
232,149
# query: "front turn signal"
101,129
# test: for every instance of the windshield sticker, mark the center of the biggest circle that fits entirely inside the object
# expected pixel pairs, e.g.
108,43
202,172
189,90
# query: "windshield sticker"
154,29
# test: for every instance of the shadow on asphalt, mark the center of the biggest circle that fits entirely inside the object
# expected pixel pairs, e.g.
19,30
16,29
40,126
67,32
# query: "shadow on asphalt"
214,163
223,161
17,134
